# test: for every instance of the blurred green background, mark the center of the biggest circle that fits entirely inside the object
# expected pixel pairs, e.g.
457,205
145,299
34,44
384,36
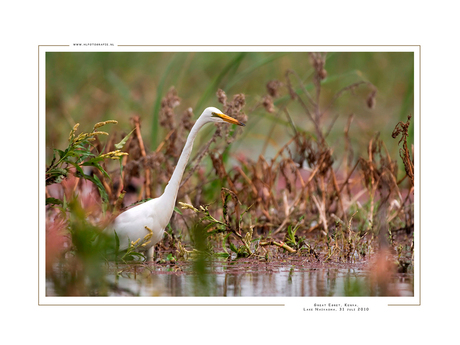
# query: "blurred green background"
88,87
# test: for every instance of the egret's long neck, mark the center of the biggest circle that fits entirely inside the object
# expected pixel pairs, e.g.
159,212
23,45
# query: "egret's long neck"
169,196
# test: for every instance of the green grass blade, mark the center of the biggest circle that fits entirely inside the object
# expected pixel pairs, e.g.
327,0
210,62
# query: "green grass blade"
232,65
119,85
243,75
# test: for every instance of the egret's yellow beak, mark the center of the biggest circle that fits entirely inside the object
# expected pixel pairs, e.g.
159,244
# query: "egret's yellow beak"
229,119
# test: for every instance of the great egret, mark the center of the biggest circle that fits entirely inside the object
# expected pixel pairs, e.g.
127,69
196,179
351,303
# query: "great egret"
143,225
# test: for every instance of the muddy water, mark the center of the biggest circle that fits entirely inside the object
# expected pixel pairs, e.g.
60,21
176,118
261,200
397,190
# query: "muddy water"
242,278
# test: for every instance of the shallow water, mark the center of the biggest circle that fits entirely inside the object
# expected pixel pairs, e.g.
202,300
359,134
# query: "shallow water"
249,280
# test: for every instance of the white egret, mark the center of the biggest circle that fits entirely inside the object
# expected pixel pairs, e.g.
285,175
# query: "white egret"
144,224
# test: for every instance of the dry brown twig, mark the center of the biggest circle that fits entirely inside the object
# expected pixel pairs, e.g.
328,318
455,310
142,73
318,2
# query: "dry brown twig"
403,129
137,124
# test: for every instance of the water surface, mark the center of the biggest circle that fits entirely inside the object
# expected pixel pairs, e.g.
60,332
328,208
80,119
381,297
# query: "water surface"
251,280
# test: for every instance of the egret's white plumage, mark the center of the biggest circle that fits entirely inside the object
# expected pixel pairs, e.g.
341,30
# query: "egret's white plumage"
155,214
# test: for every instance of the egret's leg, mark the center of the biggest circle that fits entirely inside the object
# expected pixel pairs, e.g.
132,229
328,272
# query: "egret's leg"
150,253
147,240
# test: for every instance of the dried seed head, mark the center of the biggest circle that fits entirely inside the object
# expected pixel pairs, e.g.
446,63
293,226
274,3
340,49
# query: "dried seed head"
167,118
322,74
168,103
238,101
187,119
292,93
371,100
243,118
171,99
318,61
273,87
268,104
221,97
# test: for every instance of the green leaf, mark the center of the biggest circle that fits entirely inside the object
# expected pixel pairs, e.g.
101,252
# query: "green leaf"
222,255
61,153
58,171
64,202
223,244
53,201
232,247
122,143
93,161
133,256
99,185
101,169
101,188
121,167
117,243
80,172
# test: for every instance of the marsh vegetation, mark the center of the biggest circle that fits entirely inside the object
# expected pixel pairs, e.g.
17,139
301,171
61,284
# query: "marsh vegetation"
320,183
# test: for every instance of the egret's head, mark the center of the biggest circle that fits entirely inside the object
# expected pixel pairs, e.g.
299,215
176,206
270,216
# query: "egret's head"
212,114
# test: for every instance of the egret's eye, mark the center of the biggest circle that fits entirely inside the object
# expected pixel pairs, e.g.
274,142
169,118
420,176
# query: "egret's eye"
214,114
